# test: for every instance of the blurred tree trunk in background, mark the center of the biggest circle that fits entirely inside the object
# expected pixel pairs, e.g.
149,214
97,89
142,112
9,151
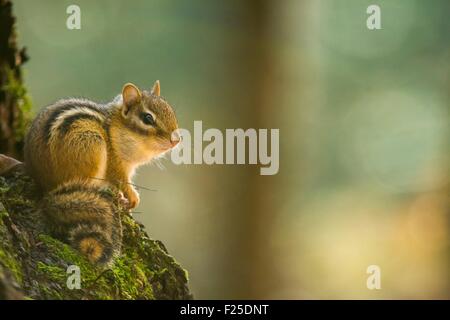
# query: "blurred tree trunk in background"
253,239
14,103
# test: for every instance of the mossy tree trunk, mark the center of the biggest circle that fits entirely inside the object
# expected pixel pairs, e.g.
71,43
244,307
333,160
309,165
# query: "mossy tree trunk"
34,265
14,102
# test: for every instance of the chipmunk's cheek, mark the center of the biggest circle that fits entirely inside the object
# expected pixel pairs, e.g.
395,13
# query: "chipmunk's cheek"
156,147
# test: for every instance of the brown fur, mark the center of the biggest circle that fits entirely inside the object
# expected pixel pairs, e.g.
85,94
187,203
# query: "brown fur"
91,248
111,146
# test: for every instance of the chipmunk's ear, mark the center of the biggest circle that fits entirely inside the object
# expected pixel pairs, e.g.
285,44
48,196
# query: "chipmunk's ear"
130,95
156,90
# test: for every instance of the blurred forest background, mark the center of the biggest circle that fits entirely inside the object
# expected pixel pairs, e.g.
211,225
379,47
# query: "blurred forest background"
364,134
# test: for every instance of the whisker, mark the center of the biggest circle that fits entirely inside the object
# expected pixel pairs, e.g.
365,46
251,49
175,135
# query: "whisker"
133,184
159,164
141,187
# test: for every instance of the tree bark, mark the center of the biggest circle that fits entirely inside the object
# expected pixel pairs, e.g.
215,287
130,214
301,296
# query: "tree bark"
14,101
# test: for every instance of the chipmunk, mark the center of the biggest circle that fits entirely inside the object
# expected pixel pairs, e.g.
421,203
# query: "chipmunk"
76,148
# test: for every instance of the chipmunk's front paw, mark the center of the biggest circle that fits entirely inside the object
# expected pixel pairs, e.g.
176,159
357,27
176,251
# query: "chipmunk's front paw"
133,198
122,201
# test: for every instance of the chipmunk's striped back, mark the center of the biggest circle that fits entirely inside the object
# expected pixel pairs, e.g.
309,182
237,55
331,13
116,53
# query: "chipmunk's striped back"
66,113
69,141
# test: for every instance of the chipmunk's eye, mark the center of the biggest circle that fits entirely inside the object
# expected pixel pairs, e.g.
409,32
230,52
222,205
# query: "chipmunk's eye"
147,118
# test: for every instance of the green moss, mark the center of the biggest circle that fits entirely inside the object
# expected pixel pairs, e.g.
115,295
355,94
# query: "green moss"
131,279
3,189
11,263
126,279
51,294
70,256
18,93
65,252
54,273
7,256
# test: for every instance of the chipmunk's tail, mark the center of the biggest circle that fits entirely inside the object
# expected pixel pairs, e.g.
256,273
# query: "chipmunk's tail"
83,214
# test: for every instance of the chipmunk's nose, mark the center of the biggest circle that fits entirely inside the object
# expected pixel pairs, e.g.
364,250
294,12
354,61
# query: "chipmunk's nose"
175,138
